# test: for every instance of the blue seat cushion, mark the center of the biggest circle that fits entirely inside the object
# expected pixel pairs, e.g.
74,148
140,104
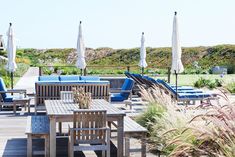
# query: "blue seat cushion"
48,78
47,82
117,97
69,78
97,82
8,98
90,78
3,88
72,81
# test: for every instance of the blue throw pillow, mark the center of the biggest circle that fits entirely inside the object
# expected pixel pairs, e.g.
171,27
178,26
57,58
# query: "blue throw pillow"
69,78
90,78
48,78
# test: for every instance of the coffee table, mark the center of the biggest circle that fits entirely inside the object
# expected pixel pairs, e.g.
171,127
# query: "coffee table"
17,101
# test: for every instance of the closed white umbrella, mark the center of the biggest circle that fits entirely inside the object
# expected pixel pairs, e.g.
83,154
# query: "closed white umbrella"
81,62
177,66
11,53
142,62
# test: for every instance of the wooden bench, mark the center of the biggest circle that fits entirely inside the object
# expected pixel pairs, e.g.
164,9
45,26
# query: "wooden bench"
133,130
51,91
37,127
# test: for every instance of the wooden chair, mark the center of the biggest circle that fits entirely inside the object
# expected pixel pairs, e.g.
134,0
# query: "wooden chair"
66,95
89,132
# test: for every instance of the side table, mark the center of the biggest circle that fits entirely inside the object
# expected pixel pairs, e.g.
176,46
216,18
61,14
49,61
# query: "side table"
17,101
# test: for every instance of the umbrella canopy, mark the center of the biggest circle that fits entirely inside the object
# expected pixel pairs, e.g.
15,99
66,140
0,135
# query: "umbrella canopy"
177,66
81,62
142,62
11,50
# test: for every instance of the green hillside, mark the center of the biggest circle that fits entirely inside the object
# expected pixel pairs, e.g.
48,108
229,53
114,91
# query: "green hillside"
204,57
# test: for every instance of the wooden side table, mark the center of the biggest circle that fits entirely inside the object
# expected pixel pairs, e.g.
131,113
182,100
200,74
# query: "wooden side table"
21,102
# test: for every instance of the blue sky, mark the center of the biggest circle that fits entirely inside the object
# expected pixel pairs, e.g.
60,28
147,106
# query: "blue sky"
118,23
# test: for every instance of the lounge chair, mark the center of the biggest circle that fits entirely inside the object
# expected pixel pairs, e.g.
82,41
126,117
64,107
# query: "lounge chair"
186,97
7,95
119,95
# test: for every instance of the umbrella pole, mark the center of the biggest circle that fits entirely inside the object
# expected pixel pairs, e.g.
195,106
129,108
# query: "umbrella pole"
142,70
11,80
176,81
81,71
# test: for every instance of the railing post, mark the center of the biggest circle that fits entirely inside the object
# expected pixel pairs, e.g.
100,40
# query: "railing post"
128,68
40,71
85,72
169,75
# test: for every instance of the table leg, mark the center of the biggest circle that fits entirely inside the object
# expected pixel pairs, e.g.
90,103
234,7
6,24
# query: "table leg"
29,106
14,108
52,137
120,135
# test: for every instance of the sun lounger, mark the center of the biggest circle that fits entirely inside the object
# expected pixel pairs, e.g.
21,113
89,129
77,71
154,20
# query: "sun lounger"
186,97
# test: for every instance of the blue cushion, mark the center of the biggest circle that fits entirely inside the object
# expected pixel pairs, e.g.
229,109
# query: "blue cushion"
183,88
166,85
72,82
117,97
150,79
8,98
47,82
3,88
90,78
48,78
69,78
189,91
127,85
193,96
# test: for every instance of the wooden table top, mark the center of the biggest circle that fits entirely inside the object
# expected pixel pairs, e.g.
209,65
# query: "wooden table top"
60,107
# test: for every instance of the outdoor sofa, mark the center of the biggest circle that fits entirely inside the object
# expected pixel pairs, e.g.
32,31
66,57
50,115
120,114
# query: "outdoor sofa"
49,87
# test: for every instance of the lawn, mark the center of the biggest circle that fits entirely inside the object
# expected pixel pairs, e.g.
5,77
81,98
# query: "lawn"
189,79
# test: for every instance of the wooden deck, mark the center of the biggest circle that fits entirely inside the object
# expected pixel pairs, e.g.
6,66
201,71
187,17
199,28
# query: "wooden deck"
13,141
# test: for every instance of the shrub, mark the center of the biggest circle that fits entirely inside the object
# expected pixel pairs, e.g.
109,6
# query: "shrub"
231,87
202,82
231,69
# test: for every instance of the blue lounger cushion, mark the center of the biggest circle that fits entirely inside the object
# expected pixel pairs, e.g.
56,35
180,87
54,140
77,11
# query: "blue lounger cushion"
189,91
183,88
150,79
49,78
90,78
69,78
193,96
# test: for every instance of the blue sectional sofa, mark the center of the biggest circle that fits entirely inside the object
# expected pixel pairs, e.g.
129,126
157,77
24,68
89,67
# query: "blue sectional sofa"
49,87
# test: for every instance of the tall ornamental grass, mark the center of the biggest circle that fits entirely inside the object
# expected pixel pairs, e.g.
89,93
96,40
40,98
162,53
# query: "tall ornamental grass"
197,131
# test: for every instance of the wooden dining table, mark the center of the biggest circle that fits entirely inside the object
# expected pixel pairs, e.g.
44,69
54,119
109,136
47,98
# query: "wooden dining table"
62,111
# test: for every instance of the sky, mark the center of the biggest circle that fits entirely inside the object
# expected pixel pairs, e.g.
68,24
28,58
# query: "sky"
118,23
